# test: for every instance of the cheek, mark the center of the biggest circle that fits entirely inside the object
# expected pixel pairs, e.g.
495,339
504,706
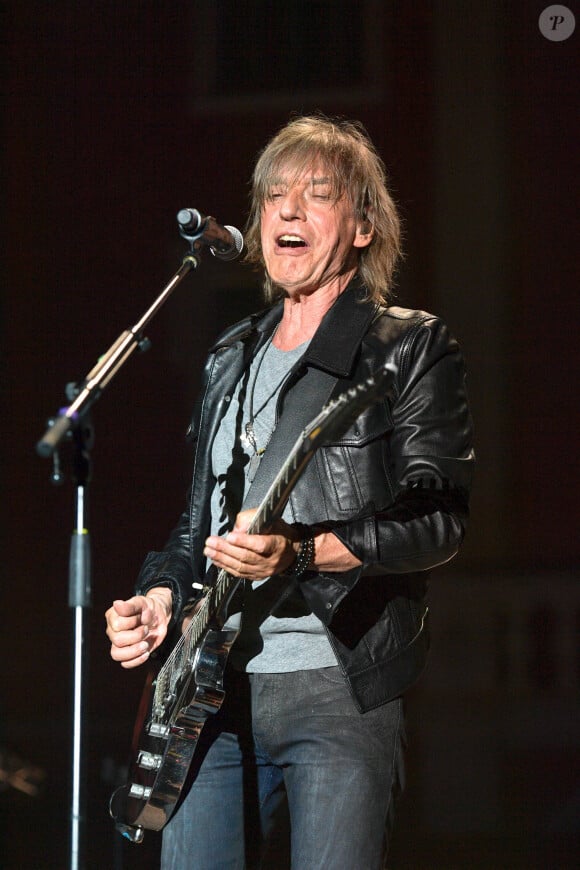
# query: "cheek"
268,252
264,229
267,245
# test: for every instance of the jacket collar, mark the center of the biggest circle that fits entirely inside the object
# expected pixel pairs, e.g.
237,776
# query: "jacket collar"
335,344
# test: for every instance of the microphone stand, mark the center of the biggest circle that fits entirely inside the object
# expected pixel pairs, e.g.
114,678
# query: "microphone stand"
73,422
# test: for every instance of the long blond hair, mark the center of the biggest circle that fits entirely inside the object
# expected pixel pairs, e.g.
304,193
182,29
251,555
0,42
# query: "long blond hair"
356,170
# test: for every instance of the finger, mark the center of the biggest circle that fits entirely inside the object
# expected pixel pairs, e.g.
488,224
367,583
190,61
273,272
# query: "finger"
223,549
127,637
131,656
243,520
116,623
236,560
124,615
121,623
240,545
131,607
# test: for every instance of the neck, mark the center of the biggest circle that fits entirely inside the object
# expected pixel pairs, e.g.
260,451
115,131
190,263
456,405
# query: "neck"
303,314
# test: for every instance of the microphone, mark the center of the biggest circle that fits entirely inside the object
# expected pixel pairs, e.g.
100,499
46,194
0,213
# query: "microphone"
223,241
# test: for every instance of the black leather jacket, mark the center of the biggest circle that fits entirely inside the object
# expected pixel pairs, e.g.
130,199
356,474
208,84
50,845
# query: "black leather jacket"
394,488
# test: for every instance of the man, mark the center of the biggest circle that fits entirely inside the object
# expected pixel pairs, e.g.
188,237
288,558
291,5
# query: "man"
334,625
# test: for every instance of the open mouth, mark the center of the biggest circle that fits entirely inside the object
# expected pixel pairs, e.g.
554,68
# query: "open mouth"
290,241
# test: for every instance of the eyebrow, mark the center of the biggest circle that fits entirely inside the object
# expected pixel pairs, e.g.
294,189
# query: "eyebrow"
326,179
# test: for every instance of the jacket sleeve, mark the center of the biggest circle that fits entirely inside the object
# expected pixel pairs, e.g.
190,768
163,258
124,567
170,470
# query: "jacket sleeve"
171,567
430,462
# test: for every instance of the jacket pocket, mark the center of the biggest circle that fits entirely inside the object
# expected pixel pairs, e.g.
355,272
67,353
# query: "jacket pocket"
354,468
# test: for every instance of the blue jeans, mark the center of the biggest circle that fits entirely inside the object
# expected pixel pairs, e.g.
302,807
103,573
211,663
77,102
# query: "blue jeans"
289,744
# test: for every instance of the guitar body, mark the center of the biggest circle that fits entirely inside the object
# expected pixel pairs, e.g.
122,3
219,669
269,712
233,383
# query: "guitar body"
165,739
188,687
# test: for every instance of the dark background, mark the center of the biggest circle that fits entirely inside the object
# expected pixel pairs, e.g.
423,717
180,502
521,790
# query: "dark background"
117,115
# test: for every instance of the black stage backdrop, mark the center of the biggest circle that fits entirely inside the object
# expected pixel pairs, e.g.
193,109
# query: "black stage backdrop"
117,115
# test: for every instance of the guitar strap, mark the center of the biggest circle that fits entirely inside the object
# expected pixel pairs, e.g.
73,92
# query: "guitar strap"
306,399
301,406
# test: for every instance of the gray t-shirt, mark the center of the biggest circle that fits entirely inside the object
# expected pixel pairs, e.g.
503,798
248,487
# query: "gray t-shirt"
279,633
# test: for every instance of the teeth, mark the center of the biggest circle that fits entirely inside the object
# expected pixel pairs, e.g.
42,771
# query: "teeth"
288,240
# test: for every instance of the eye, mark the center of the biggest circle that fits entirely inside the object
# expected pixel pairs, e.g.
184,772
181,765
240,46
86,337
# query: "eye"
321,191
275,193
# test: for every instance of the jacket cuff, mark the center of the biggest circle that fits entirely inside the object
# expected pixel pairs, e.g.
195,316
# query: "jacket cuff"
161,569
324,592
360,537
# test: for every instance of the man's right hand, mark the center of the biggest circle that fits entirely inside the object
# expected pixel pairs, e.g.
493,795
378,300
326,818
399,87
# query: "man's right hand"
138,626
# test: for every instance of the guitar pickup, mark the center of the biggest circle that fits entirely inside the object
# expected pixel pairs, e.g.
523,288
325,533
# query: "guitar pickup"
149,760
140,792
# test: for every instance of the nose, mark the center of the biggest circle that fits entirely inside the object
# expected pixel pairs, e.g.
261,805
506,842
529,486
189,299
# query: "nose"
291,206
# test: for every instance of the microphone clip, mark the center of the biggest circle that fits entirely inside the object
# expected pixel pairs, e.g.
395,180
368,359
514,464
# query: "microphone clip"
224,242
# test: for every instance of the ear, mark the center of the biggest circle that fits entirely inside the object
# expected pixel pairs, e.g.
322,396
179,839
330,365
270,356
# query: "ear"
364,233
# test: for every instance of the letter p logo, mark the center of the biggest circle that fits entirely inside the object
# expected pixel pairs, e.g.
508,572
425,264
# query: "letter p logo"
557,23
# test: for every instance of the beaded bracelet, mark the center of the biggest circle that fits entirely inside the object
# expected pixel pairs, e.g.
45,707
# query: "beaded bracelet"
304,557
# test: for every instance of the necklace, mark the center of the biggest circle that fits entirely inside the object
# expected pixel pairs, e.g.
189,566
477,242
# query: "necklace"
248,436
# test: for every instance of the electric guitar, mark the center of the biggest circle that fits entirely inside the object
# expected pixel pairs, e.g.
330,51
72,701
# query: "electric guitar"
180,695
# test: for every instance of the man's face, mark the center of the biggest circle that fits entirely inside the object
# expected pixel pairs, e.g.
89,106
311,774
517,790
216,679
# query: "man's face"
309,238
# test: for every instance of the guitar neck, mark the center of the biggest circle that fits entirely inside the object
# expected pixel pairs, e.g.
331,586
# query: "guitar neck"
275,500
270,509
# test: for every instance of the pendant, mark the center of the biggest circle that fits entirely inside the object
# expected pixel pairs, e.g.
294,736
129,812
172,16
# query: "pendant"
247,438
253,466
